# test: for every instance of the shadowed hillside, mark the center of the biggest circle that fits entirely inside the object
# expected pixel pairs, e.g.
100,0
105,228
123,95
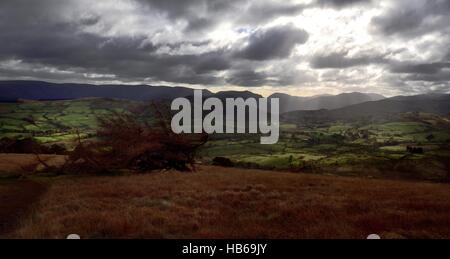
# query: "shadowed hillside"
10,91
434,103
35,90
295,103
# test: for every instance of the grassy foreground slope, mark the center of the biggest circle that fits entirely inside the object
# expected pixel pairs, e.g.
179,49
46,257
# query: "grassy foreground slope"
235,203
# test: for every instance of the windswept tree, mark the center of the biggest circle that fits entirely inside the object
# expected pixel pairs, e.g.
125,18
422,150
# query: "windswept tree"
123,141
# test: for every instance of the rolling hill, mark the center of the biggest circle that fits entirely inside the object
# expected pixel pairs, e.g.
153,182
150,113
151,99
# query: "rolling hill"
428,103
10,91
294,103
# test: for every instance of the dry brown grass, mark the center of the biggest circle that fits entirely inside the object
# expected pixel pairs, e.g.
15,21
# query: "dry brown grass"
233,203
16,199
26,163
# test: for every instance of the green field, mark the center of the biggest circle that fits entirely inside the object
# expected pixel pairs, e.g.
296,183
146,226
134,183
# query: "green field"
330,147
344,146
56,121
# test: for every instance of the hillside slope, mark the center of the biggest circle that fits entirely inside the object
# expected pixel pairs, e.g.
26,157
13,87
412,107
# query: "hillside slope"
293,103
220,202
36,90
434,103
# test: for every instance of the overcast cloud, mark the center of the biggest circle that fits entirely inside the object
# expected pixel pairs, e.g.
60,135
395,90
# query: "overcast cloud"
297,47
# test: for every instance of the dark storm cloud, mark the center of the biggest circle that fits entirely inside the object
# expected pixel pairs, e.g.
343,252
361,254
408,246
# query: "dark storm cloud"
67,48
212,62
414,18
199,14
177,9
37,33
205,14
248,78
427,68
442,76
39,39
198,24
180,44
273,43
174,41
89,20
341,60
64,45
410,20
189,69
27,11
447,56
409,71
341,3
427,72
32,72
174,65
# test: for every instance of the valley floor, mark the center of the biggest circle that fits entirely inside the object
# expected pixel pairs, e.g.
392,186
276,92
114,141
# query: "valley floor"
220,202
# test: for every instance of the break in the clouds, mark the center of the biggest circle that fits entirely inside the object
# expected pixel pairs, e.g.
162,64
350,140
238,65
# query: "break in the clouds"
299,47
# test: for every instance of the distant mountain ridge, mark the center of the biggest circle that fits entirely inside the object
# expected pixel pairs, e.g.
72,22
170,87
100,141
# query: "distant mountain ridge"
323,108
36,90
11,91
426,103
294,103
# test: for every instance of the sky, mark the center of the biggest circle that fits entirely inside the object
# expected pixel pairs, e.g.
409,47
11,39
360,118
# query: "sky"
303,48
